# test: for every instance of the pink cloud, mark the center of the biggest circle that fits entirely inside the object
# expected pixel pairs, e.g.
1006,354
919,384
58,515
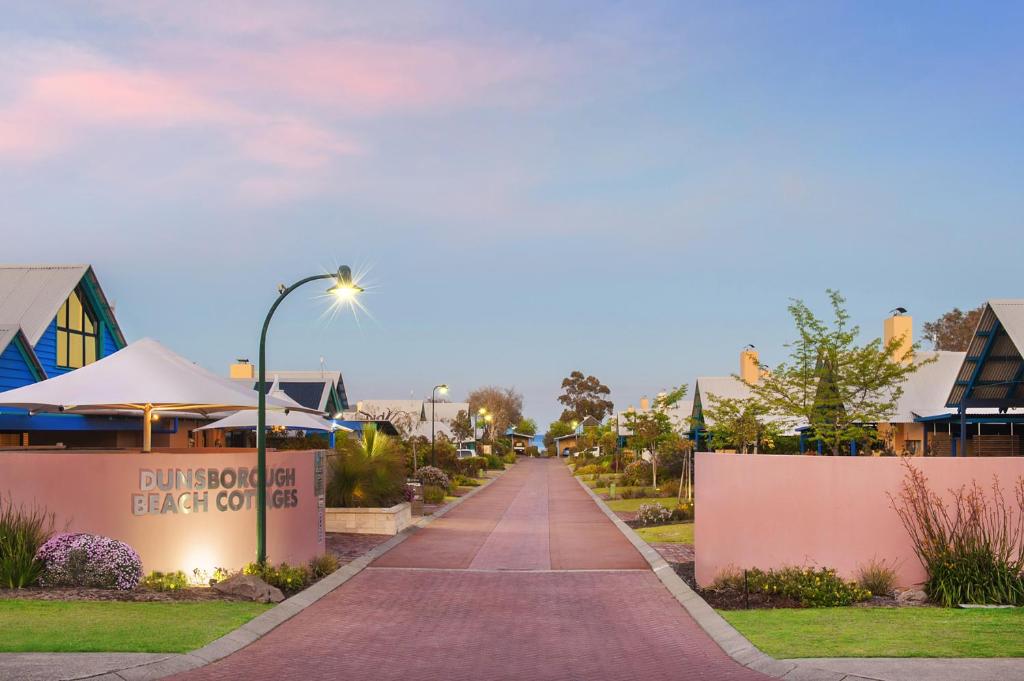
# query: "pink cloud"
365,78
58,108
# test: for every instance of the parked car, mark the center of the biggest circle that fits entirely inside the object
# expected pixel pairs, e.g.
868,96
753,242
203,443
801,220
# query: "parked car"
465,453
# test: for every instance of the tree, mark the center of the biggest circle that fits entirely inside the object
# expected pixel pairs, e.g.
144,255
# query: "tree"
584,396
953,330
653,430
837,386
461,426
526,427
504,404
738,423
556,429
609,444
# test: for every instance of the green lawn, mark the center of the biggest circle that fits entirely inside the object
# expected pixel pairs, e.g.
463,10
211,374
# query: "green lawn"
634,504
677,533
114,626
882,632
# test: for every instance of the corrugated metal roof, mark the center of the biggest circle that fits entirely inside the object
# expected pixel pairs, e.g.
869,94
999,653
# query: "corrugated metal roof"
1011,315
7,334
924,390
31,295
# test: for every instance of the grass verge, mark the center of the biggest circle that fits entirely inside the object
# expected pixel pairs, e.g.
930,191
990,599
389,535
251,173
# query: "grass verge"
113,626
882,632
676,533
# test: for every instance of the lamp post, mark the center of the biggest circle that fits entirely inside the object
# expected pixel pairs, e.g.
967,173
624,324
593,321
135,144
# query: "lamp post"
433,408
480,413
345,290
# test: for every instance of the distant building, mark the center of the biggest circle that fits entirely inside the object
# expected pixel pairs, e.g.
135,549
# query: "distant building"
321,390
411,418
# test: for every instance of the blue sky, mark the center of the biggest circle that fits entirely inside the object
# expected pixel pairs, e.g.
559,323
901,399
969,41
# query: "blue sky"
630,189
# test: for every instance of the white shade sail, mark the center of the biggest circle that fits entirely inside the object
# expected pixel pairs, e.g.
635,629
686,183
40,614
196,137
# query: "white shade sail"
144,376
143,373
246,420
278,418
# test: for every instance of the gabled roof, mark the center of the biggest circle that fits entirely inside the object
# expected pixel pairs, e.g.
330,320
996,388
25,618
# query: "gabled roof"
311,389
992,372
924,390
13,334
705,387
31,296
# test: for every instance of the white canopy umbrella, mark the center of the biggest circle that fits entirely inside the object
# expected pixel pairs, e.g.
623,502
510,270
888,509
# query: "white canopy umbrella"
291,420
143,377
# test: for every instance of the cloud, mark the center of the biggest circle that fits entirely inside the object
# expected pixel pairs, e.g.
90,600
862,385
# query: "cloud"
64,105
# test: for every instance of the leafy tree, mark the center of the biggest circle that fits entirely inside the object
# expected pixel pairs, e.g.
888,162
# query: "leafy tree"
739,423
556,429
609,444
526,427
584,396
653,429
953,330
461,426
839,387
504,404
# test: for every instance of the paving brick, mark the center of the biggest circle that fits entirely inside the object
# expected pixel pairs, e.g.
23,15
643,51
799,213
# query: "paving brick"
526,580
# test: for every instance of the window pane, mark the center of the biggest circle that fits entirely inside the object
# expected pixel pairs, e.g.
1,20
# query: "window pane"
75,349
90,349
62,316
62,348
74,312
87,323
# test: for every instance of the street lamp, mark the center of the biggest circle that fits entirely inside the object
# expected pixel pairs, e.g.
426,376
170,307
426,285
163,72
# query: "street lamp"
443,389
575,436
480,413
344,290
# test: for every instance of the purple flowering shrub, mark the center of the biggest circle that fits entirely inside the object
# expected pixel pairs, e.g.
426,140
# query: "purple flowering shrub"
89,560
429,475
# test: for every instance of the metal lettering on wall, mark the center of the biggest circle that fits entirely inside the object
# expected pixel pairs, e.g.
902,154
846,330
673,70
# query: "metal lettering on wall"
320,490
202,490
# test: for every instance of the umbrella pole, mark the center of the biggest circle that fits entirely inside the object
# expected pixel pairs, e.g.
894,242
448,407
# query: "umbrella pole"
147,428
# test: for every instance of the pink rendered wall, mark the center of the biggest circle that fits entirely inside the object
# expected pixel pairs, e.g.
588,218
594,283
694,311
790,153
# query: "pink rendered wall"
770,511
92,491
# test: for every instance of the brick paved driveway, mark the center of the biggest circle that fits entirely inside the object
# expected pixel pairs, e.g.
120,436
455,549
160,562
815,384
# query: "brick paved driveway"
526,580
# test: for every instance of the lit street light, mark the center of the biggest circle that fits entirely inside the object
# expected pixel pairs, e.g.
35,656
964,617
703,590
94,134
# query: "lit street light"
443,389
344,291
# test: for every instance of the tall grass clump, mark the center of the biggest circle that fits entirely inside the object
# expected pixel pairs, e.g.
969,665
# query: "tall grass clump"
878,577
972,549
366,472
23,529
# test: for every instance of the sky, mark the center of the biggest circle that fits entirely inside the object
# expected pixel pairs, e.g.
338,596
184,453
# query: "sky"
632,189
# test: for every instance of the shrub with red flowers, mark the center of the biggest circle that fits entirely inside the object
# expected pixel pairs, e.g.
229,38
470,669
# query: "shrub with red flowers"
89,560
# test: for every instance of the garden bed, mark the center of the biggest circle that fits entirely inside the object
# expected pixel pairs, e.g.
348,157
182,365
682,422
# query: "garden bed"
139,594
389,521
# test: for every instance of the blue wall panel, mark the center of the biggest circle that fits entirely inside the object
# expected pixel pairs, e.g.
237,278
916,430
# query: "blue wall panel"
109,345
14,370
46,351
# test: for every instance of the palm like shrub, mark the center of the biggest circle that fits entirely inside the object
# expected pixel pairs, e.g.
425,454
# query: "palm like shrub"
22,531
974,551
366,472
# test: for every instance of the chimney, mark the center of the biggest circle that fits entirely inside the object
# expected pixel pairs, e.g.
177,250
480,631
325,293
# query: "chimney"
645,404
243,369
900,325
750,369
